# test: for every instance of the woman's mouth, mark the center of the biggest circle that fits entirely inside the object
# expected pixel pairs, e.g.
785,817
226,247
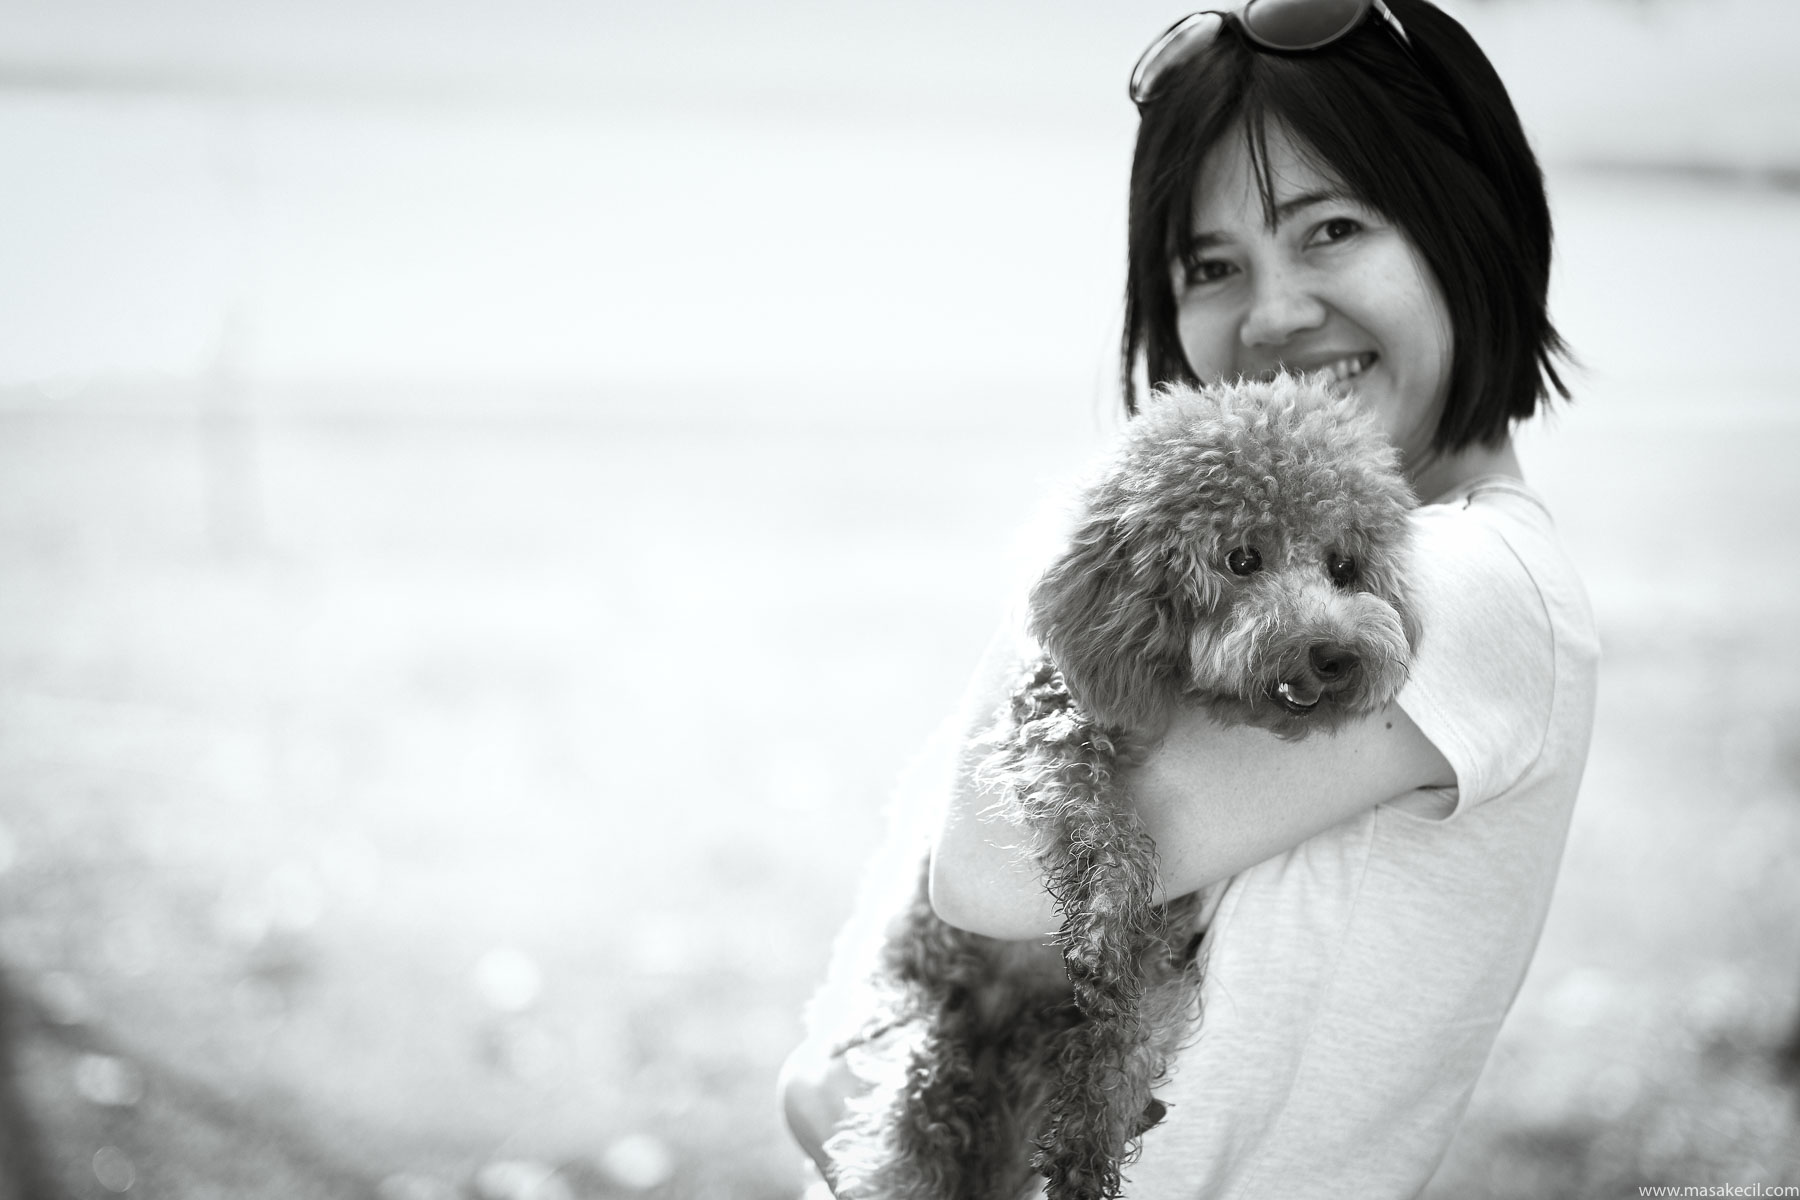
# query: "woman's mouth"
1349,367
1336,370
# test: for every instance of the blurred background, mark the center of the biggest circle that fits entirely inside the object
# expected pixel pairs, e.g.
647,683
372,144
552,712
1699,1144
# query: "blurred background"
492,496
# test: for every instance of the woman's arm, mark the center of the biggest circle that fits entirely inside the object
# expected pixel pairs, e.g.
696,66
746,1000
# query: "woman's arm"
1217,800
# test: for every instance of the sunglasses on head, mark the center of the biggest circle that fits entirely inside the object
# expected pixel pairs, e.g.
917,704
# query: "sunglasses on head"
1284,25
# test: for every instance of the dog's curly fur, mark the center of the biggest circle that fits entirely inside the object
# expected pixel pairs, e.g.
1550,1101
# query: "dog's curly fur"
1243,551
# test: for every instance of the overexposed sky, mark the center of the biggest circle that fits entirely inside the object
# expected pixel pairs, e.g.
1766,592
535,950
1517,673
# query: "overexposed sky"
1601,77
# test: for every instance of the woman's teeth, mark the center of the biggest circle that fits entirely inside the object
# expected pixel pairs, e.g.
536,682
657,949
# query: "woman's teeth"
1345,368
1348,368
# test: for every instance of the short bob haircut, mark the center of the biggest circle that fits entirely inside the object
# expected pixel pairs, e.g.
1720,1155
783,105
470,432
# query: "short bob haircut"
1425,135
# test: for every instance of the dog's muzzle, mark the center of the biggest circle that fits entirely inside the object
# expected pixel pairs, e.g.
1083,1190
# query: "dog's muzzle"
1328,669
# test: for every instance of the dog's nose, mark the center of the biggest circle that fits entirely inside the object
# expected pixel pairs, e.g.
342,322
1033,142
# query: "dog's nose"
1331,662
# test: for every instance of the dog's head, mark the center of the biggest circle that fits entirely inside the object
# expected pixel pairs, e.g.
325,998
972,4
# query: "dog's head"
1246,549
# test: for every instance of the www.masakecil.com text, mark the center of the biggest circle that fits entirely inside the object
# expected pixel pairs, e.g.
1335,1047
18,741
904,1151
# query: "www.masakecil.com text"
1719,1189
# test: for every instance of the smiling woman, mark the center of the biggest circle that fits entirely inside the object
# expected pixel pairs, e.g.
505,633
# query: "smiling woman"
1413,143
1365,206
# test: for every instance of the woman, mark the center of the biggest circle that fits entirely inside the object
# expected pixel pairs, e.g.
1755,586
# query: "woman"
1342,185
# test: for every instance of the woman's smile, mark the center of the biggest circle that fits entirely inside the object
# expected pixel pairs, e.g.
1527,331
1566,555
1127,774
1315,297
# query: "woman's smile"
1341,367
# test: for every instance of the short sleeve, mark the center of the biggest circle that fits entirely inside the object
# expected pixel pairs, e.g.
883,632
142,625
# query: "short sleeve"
1483,677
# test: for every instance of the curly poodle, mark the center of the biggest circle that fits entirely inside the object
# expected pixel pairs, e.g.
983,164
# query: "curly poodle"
1244,552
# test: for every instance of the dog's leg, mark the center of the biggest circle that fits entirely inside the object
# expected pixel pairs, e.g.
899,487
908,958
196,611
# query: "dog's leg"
1109,1064
1105,1064
1099,863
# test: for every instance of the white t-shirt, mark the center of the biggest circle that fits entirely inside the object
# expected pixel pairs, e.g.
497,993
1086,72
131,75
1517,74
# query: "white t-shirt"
1355,984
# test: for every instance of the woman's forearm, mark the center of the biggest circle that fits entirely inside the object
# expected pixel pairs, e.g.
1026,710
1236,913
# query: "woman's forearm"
981,878
1217,800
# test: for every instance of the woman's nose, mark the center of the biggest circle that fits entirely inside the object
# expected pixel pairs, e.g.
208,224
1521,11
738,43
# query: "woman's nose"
1281,306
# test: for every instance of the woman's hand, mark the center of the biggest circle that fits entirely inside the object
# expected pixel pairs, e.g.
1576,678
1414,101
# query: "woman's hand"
1217,799
815,1089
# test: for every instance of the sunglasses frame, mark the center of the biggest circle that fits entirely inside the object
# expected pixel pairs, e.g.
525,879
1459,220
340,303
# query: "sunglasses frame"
1166,53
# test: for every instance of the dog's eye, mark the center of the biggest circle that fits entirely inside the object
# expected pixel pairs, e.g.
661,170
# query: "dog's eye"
1244,561
1341,568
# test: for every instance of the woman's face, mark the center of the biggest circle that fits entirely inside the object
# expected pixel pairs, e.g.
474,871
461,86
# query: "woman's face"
1333,285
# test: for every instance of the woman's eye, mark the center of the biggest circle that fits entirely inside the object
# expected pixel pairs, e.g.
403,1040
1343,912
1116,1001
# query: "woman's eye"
1341,568
1198,271
1244,561
1339,228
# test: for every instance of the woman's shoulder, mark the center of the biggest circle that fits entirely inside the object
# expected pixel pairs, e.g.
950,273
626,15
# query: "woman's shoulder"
1492,543
1488,501
1507,649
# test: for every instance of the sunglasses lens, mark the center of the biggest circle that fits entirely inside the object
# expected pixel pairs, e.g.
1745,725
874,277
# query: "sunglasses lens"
1301,24
1184,39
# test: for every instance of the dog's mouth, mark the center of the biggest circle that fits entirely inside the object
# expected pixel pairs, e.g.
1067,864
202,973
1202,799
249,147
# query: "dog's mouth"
1297,696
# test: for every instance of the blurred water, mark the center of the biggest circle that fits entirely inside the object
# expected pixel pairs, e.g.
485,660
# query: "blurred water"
509,251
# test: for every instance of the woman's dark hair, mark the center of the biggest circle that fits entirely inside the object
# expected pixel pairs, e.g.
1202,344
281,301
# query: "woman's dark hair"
1425,135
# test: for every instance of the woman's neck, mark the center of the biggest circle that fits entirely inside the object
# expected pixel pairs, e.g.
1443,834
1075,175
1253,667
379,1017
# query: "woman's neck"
1435,475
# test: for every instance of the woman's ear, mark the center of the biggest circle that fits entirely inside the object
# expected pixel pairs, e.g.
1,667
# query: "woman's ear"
1114,617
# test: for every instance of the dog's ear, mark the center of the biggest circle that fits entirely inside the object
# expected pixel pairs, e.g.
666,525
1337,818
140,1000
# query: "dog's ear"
1386,574
1115,615
1409,621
